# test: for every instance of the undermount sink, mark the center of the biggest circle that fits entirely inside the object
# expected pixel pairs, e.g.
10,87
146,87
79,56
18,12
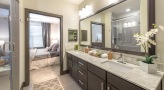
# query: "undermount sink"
118,66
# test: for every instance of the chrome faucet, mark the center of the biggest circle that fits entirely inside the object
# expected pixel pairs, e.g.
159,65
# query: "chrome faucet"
121,60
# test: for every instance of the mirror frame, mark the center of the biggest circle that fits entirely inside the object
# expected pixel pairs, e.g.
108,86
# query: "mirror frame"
151,20
103,33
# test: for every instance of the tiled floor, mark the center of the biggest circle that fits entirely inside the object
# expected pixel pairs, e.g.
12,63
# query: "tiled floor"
4,78
4,82
46,73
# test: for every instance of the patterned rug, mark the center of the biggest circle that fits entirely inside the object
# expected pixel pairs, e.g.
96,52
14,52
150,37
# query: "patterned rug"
53,84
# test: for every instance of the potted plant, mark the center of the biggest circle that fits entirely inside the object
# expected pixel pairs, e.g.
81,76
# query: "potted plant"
147,64
76,47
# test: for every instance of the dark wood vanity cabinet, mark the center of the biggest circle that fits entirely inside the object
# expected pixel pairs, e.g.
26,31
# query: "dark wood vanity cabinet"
96,78
78,70
95,83
74,70
73,66
91,77
120,83
110,87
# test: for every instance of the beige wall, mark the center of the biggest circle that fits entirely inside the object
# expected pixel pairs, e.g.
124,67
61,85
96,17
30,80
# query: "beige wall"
22,43
159,36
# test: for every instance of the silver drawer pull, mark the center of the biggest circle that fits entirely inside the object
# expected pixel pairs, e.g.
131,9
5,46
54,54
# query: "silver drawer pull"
102,86
81,73
81,82
108,88
81,63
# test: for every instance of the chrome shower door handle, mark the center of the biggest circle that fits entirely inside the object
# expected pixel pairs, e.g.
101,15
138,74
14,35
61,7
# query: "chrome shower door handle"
10,49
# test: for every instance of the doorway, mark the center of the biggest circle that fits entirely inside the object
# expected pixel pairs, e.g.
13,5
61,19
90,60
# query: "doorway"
44,44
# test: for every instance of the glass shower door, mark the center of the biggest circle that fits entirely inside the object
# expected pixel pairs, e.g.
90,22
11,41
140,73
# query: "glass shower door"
5,55
9,45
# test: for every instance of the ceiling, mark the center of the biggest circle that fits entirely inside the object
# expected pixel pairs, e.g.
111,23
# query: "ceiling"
75,1
42,18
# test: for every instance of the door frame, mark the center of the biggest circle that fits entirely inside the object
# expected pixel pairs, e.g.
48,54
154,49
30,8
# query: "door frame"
27,61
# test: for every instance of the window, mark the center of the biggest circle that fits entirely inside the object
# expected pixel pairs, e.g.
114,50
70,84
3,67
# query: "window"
36,39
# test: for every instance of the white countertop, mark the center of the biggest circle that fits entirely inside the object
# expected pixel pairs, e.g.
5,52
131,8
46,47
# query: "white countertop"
135,76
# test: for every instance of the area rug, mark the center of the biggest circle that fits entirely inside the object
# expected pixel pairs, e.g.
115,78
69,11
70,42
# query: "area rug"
52,84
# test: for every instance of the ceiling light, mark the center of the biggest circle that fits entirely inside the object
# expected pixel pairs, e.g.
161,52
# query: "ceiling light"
128,10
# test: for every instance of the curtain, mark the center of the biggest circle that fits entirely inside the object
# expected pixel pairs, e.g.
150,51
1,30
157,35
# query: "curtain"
46,30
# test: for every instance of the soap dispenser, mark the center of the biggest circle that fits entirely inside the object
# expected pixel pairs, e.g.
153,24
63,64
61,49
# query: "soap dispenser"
110,55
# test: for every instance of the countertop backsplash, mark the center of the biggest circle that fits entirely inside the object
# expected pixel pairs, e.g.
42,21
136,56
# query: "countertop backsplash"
132,59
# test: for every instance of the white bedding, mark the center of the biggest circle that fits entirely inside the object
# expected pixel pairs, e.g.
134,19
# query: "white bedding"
44,62
37,54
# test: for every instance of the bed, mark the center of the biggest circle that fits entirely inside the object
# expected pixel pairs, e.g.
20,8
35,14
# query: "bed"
40,58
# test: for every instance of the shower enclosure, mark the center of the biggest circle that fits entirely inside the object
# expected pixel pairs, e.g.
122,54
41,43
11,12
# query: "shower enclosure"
123,30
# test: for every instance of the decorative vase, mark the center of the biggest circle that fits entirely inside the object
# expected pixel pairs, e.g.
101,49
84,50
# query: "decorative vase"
148,68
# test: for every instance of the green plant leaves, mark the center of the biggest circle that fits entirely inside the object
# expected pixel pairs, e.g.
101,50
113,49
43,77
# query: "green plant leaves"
150,59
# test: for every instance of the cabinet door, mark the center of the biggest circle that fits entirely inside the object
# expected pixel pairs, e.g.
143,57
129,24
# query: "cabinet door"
74,70
110,87
95,83
70,66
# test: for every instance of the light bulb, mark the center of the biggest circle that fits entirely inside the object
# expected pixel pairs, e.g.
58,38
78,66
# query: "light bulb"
128,10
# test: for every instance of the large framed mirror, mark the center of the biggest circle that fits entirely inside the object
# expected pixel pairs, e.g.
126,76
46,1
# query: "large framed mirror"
114,26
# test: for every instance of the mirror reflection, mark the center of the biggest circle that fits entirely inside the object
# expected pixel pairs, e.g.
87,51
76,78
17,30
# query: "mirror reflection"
114,28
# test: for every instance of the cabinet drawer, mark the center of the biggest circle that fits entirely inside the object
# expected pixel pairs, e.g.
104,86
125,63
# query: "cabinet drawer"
69,56
97,71
82,74
82,83
120,83
82,64
74,58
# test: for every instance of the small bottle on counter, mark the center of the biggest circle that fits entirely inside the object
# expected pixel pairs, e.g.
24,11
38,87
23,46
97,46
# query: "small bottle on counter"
110,55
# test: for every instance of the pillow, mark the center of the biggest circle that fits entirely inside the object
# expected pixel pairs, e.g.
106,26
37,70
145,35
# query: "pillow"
55,47
58,50
50,48
47,49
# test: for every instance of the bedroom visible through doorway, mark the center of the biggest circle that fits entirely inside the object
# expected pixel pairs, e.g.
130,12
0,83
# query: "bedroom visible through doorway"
44,46
44,40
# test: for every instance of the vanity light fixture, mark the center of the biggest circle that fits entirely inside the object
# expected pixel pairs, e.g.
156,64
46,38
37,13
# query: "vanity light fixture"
125,25
128,10
85,12
130,24
133,23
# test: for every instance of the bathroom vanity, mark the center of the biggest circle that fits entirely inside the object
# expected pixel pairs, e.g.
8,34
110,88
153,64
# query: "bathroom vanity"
93,73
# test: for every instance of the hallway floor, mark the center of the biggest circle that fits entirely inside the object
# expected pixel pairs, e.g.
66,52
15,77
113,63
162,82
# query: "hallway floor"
48,73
